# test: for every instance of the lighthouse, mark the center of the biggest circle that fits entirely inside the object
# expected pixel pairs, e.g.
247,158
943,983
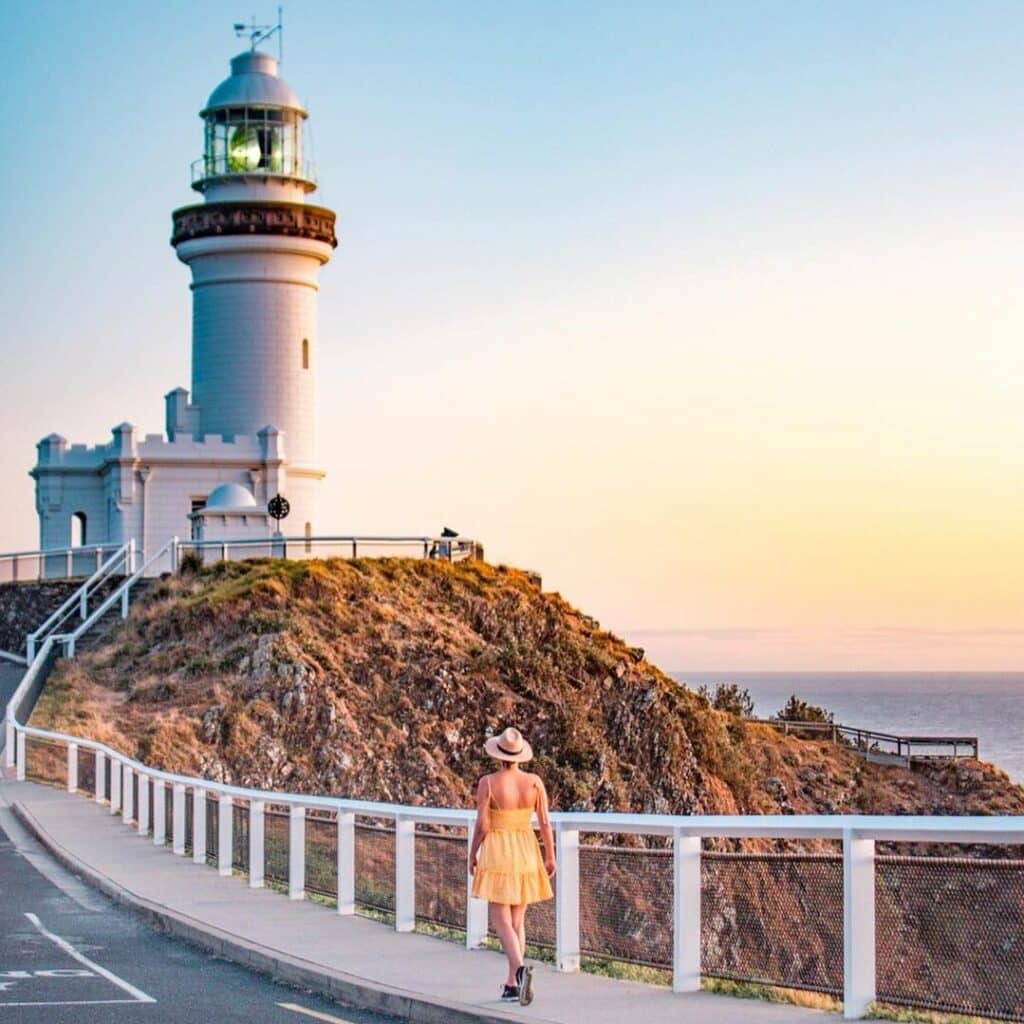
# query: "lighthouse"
254,244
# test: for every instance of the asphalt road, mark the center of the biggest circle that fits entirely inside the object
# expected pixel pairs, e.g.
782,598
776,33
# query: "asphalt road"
70,956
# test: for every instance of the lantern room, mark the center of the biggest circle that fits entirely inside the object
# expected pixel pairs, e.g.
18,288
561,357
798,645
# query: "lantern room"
254,127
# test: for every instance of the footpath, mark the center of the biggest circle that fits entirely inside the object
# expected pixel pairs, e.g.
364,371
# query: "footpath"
354,960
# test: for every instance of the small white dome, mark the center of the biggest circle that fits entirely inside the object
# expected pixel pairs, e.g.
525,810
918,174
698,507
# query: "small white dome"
230,496
253,83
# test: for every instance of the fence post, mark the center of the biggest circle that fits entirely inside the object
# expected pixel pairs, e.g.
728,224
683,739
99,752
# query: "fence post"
858,924
174,556
72,767
21,757
127,794
125,598
115,785
198,825
225,828
83,605
142,811
68,567
10,740
405,875
567,899
296,853
101,762
30,648
476,910
159,812
685,912
256,844
178,819
346,862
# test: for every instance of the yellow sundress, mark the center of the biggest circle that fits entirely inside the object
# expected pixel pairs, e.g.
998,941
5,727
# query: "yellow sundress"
509,866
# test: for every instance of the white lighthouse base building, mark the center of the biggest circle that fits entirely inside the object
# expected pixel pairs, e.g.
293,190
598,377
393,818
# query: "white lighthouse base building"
151,488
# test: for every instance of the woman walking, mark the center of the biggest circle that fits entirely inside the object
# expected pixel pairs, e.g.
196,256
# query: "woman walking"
505,858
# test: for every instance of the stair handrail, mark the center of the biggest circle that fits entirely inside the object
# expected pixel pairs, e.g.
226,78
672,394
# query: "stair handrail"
80,598
121,593
14,704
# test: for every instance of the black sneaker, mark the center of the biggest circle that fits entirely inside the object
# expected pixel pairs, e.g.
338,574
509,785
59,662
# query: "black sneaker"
509,994
525,978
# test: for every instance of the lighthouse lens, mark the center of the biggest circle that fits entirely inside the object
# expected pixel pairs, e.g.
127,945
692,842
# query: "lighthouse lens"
243,150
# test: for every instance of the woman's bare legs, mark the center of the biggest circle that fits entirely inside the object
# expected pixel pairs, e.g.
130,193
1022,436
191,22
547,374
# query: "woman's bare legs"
519,924
501,922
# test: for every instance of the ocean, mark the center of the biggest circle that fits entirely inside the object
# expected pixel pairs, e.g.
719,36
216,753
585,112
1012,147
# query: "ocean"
989,705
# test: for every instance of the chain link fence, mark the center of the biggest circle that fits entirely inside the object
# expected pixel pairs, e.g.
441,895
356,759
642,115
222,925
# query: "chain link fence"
950,934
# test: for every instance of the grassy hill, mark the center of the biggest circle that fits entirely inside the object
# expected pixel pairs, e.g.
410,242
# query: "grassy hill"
379,679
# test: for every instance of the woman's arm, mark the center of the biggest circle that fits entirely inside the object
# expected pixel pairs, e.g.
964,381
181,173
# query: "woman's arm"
483,822
544,818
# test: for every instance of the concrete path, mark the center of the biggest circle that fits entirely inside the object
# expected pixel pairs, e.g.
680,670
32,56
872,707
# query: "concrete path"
354,960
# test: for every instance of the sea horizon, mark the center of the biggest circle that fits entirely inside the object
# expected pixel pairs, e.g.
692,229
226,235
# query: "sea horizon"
979,703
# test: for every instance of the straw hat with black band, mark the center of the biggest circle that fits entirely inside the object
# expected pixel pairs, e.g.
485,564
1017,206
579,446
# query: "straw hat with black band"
509,746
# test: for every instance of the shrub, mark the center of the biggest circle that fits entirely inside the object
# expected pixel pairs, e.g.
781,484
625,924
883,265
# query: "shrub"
730,697
797,710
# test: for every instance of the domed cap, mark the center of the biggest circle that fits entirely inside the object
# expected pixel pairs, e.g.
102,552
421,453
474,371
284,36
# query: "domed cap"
253,83
230,496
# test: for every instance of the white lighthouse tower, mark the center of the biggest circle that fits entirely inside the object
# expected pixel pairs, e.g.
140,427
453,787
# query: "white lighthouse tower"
254,246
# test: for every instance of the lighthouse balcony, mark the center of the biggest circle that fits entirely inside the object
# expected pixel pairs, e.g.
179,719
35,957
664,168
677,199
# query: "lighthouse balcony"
220,168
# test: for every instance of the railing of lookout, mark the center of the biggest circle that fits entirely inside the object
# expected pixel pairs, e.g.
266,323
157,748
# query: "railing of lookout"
880,747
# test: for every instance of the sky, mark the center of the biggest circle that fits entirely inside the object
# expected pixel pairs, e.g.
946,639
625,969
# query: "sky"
709,313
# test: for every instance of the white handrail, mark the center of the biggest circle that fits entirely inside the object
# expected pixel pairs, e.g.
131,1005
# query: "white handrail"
52,552
14,704
981,829
80,597
44,556
121,593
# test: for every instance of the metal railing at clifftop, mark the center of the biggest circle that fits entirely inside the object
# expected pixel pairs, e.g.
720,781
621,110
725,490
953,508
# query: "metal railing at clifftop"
53,563
880,747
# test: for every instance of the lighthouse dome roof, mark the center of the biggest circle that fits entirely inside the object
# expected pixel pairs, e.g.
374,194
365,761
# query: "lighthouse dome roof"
254,82
230,496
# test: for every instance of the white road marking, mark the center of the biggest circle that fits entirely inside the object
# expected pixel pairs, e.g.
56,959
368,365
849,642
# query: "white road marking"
315,1014
78,1002
137,995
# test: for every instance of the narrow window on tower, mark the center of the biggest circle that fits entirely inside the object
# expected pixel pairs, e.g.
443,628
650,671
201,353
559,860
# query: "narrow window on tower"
305,353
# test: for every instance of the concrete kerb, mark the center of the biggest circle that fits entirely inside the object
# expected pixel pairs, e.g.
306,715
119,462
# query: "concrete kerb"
354,991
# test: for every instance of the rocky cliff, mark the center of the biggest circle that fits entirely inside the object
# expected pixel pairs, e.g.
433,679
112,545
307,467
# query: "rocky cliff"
379,679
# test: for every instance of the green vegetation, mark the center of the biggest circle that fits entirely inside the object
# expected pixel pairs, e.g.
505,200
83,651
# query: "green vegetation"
729,697
797,710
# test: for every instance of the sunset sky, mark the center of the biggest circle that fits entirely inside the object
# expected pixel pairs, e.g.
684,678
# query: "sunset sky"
712,314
